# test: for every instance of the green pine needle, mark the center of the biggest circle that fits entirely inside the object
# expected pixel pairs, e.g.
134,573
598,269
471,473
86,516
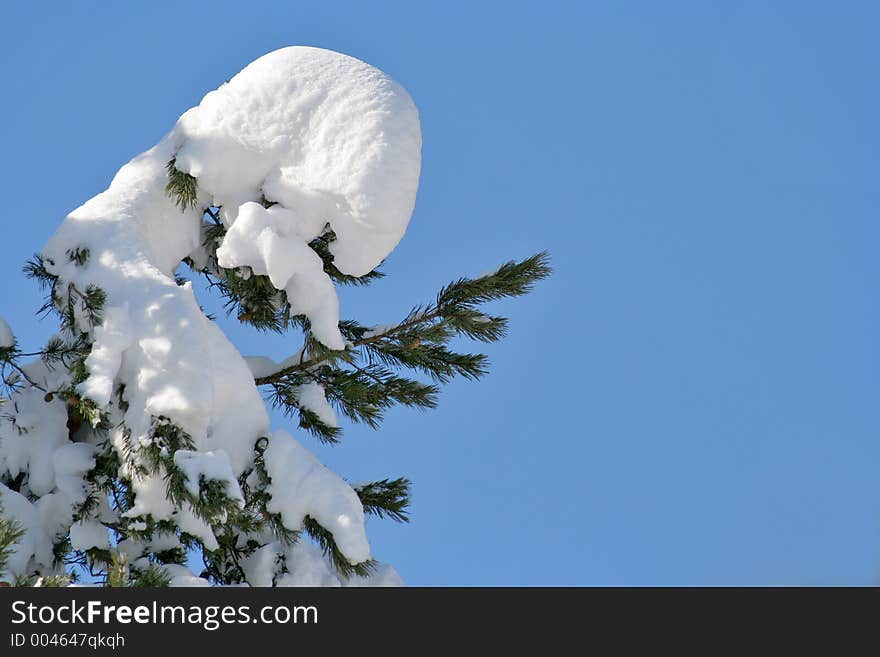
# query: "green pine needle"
181,187
340,562
386,498
11,532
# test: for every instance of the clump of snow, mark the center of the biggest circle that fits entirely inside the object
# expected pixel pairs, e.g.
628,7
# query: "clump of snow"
189,522
134,549
72,461
311,396
7,339
303,564
262,564
111,339
35,543
87,534
150,498
28,445
385,575
326,136
301,486
337,144
307,567
183,576
258,238
261,366
42,522
210,465
378,330
293,359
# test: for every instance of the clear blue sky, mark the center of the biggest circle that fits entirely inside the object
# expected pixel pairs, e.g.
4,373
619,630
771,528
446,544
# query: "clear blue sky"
693,397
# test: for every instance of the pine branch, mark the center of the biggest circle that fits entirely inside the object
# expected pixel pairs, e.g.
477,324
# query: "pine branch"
79,255
362,395
436,361
251,297
386,498
8,359
181,187
340,562
321,246
452,313
311,422
153,576
512,279
11,532
35,269
117,571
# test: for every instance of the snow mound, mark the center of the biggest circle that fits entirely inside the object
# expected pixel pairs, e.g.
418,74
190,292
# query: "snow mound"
326,136
305,565
332,142
311,396
87,534
181,576
28,445
42,522
301,486
210,466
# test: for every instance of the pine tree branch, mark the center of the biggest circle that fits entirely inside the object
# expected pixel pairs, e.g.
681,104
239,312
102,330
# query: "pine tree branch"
210,212
11,532
181,187
324,538
386,498
454,308
24,375
305,365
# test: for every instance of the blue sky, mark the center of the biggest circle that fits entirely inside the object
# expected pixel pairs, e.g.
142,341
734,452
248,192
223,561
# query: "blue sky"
692,398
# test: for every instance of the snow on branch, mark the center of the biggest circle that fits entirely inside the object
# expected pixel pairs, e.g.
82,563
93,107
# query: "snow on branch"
307,163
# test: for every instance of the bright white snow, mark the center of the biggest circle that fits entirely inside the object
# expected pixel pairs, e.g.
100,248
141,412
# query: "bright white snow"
302,564
87,534
301,486
210,465
311,396
29,445
71,462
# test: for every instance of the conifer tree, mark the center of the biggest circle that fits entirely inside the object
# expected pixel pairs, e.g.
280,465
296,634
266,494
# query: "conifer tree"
108,474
